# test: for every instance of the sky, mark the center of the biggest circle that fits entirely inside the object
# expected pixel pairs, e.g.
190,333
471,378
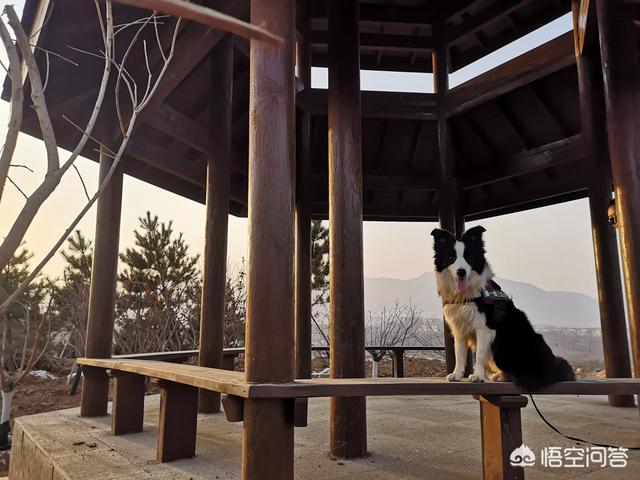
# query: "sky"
548,247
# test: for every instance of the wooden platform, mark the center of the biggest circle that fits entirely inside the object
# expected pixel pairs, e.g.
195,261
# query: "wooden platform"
233,383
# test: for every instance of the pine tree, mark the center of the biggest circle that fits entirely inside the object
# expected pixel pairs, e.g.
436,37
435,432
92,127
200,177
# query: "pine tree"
319,262
159,302
70,299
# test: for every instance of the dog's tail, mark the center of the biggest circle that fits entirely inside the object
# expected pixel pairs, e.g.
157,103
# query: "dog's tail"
554,369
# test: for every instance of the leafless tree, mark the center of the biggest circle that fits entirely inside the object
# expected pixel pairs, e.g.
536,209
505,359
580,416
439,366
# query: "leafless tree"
390,327
127,93
21,56
429,333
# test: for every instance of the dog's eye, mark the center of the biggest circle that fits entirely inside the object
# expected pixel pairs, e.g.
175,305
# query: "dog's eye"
452,258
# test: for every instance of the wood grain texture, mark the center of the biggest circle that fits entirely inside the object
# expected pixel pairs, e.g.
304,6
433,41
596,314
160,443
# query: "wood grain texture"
348,426
178,421
102,292
605,243
233,383
617,22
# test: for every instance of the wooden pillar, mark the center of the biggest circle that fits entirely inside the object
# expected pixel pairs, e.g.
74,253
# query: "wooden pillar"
621,74
267,446
303,230
594,133
303,225
102,296
348,432
448,187
217,215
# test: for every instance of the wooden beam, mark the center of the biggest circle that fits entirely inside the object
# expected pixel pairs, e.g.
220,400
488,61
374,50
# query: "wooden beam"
177,125
554,154
348,431
389,182
190,132
380,42
370,13
267,443
522,199
158,157
194,172
472,25
193,45
392,105
370,60
209,17
527,68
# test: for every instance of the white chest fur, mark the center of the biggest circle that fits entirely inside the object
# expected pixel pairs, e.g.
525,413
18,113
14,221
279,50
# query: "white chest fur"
464,320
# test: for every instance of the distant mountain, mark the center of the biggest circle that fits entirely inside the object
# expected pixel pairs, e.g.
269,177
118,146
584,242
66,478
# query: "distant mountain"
543,307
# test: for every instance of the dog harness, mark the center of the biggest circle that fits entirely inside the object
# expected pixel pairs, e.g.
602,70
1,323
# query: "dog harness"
492,299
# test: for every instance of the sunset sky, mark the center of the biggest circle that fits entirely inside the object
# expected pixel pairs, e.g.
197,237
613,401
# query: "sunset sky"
549,247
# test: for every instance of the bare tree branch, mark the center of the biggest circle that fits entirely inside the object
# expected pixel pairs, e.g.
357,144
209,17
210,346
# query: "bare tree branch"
17,101
17,187
18,230
37,90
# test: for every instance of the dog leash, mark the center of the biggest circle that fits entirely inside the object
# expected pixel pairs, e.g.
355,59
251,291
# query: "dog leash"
575,439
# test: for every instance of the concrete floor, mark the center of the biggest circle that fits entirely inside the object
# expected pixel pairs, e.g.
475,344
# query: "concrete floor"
409,438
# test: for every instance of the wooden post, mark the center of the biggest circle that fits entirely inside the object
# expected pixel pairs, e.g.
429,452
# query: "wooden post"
303,232
128,403
621,74
594,133
397,356
267,447
501,428
102,296
448,187
178,421
348,431
303,226
215,248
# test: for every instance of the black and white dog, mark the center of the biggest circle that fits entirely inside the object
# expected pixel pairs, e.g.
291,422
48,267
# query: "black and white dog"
481,316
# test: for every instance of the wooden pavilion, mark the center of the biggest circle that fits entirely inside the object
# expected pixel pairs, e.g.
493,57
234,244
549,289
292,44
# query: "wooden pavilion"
234,127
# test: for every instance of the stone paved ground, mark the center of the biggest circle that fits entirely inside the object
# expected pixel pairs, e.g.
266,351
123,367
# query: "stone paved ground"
409,438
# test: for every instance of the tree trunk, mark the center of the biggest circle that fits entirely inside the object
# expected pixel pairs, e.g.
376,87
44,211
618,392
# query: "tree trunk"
375,368
7,400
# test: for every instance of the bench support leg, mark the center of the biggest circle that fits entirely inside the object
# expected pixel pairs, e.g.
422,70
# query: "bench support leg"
128,403
301,412
267,443
501,435
178,421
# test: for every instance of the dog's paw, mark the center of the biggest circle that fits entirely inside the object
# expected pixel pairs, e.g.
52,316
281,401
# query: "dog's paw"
475,378
453,377
499,377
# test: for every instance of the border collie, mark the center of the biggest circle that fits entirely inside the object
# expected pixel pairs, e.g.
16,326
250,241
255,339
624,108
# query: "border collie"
484,318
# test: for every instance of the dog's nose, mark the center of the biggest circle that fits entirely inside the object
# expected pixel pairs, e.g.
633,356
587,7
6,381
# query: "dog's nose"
462,272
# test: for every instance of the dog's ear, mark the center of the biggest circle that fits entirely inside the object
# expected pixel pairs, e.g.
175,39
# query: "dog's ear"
441,236
474,234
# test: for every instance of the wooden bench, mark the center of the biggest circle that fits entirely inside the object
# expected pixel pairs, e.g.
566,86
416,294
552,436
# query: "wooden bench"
230,354
500,403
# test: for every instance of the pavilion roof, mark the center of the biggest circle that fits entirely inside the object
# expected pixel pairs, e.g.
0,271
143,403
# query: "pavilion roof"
515,129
